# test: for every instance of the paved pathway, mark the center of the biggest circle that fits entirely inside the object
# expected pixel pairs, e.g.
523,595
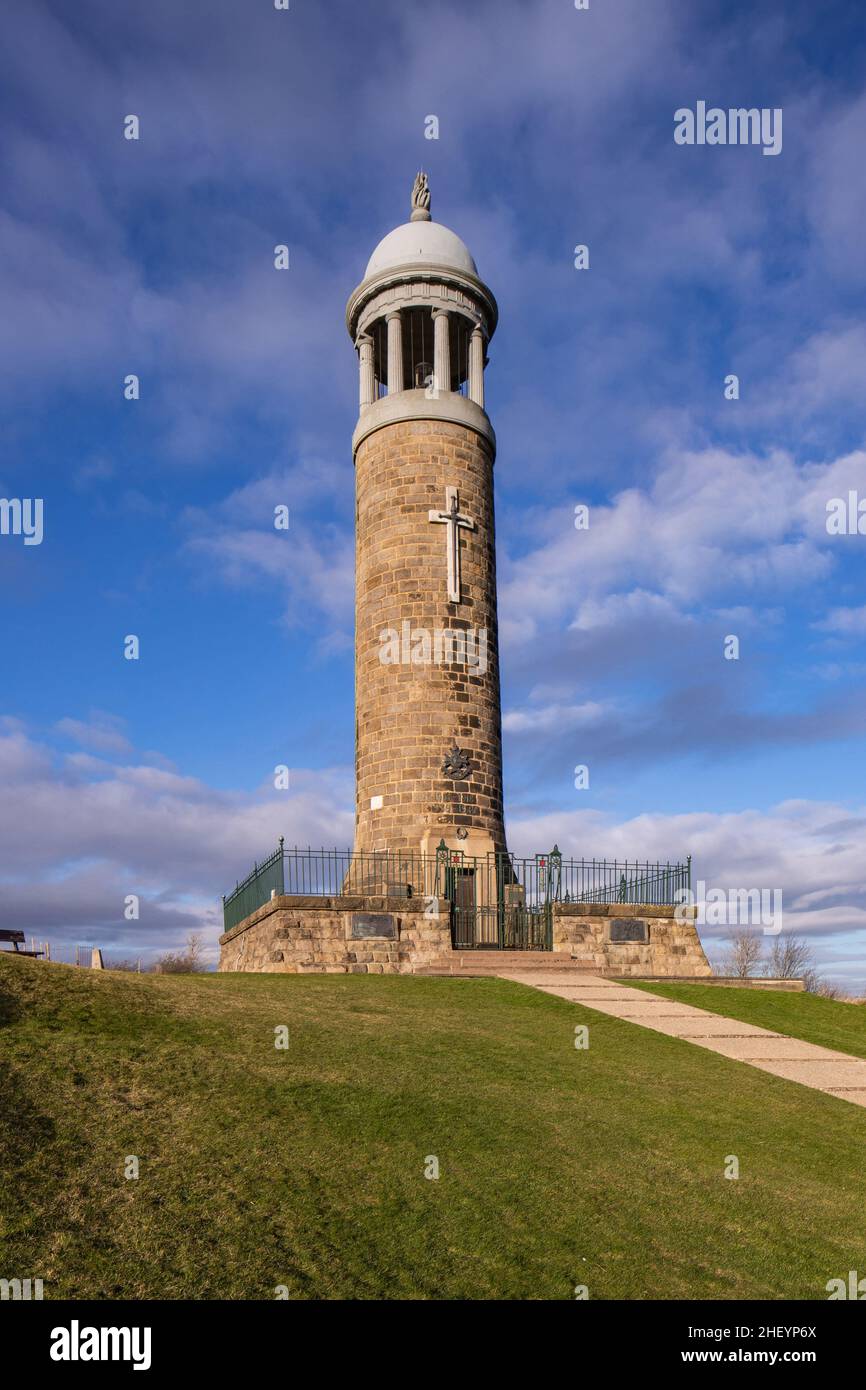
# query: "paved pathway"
837,1073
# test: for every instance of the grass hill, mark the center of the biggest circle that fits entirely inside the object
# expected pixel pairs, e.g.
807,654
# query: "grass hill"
306,1167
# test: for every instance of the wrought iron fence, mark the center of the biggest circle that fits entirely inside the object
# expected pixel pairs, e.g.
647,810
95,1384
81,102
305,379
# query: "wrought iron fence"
260,884
496,899
609,881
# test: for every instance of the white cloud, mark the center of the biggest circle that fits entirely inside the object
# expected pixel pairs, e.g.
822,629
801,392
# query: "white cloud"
102,732
312,567
615,610
553,718
846,622
711,525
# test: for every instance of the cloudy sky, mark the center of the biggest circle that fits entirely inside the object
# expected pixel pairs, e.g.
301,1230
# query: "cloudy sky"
708,516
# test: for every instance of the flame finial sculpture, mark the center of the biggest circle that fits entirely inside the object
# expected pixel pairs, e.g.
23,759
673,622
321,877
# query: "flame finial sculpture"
420,199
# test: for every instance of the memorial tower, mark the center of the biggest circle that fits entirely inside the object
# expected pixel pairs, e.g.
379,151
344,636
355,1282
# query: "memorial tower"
428,747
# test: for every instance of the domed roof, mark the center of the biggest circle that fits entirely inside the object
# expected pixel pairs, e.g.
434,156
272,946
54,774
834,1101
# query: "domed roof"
420,243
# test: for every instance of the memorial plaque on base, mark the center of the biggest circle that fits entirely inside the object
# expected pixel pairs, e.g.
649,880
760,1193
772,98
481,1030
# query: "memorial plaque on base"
627,929
365,924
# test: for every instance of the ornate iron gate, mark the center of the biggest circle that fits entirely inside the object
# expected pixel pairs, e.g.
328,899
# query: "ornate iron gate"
499,903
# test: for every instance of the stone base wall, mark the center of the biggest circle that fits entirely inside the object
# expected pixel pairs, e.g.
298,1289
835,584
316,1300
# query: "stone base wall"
303,935
391,936
671,947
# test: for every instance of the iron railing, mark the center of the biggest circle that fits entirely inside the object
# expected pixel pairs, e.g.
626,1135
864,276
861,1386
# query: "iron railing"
608,881
263,881
500,893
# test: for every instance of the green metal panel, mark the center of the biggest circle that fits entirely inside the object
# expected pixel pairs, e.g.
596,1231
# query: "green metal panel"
255,890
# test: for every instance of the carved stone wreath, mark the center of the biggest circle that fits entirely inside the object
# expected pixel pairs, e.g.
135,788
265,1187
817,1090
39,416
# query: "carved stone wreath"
457,764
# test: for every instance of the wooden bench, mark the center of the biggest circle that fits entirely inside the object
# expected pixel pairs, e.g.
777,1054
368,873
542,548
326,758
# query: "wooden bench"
15,937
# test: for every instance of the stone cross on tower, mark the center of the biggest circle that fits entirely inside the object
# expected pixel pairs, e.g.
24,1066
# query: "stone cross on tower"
428,764
453,519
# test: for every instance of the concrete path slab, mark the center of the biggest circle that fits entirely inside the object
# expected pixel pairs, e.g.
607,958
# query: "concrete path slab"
774,1048
707,1029
835,1073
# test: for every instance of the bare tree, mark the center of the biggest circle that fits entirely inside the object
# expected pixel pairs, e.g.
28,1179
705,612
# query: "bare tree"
791,959
825,988
170,964
194,949
744,955
186,962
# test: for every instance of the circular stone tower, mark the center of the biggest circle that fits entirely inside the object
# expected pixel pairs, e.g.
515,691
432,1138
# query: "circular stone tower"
428,726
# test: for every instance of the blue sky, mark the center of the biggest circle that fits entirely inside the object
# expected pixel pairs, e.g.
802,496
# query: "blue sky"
605,386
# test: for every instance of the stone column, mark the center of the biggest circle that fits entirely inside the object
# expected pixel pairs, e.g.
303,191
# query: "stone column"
368,385
441,351
476,366
395,352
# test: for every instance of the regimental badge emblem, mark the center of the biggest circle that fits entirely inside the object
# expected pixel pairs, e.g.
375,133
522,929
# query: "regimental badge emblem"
457,764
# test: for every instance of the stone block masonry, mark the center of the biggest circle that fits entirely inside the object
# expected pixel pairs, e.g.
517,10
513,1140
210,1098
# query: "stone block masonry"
338,935
584,931
312,935
409,716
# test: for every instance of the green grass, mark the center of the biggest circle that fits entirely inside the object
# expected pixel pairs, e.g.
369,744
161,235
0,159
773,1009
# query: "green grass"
827,1022
305,1167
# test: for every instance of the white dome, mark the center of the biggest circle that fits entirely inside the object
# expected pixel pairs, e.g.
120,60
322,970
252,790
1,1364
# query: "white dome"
425,243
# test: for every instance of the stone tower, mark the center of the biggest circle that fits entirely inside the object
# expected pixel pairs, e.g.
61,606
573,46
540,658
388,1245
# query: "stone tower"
427,707
428,728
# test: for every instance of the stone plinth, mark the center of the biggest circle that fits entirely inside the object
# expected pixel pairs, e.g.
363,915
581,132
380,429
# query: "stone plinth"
304,935
670,948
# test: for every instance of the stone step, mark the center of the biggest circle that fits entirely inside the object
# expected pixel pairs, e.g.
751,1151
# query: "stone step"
502,962
478,971
518,957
